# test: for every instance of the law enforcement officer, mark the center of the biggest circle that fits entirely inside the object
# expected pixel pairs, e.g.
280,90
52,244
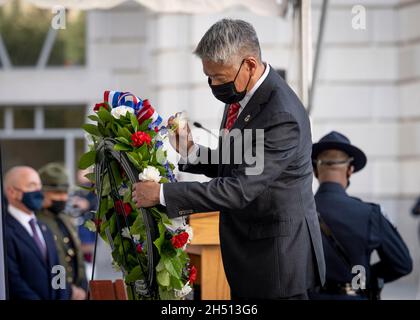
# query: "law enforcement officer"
352,229
55,188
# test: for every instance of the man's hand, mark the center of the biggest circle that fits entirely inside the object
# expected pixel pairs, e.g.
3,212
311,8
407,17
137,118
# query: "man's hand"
146,194
182,139
77,293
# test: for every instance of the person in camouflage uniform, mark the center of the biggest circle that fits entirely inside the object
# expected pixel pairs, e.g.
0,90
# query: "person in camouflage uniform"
55,184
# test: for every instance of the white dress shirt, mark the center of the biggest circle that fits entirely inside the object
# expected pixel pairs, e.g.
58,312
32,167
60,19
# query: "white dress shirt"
23,218
193,152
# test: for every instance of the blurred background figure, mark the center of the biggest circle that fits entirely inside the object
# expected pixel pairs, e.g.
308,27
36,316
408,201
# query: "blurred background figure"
41,117
416,212
31,251
353,229
83,203
55,188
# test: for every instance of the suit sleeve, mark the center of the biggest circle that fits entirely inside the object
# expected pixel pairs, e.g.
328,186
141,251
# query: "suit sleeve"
17,284
197,167
395,260
281,141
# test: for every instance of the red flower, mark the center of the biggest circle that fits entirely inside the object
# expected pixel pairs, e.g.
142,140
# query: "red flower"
193,274
178,241
118,207
99,105
139,248
156,129
140,137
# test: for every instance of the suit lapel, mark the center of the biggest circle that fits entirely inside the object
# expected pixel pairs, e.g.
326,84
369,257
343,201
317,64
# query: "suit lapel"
253,107
49,242
222,125
26,238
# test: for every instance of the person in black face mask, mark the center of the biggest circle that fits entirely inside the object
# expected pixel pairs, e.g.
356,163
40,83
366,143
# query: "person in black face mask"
267,208
55,182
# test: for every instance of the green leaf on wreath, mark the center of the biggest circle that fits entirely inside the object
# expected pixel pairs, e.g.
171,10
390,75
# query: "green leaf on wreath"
94,118
134,121
163,180
123,140
138,226
105,116
144,152
160,266
91,189
145,125
91,177
134,274
176,283
170,267
92,129
159,241
166,294
163,278
121,147
124,133
160,156
87,160
132,156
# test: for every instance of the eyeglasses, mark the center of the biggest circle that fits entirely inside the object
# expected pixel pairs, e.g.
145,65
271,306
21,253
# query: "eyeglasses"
332,162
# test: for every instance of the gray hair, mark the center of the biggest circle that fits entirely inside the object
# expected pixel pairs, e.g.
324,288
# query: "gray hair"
228,41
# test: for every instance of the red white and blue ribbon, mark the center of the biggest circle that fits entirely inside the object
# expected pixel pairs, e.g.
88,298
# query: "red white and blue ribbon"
142,108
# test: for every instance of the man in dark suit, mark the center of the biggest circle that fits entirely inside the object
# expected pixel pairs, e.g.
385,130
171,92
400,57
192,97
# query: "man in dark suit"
31,252
358,228
269,232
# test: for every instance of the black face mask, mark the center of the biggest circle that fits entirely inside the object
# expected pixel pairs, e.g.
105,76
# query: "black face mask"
57,206
226,92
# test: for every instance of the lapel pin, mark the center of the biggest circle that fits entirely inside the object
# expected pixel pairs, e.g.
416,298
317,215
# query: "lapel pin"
44,228
247,118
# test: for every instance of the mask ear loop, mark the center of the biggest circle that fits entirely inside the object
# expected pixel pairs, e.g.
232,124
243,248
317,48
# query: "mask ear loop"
249,79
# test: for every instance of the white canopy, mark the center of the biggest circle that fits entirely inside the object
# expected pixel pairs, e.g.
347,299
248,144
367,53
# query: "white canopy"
260,7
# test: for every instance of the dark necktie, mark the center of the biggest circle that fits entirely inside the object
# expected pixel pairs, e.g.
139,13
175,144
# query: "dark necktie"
37,240
232,115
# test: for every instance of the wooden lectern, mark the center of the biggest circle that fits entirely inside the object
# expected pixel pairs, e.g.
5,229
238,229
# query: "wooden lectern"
204,251
107,290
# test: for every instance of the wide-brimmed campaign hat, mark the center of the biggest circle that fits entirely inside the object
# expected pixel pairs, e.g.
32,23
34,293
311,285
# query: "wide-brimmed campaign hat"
54,177
337,141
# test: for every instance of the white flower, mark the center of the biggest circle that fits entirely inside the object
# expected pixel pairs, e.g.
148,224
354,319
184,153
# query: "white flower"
126,233
150,174
121,111
136,237
184,291
176,223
